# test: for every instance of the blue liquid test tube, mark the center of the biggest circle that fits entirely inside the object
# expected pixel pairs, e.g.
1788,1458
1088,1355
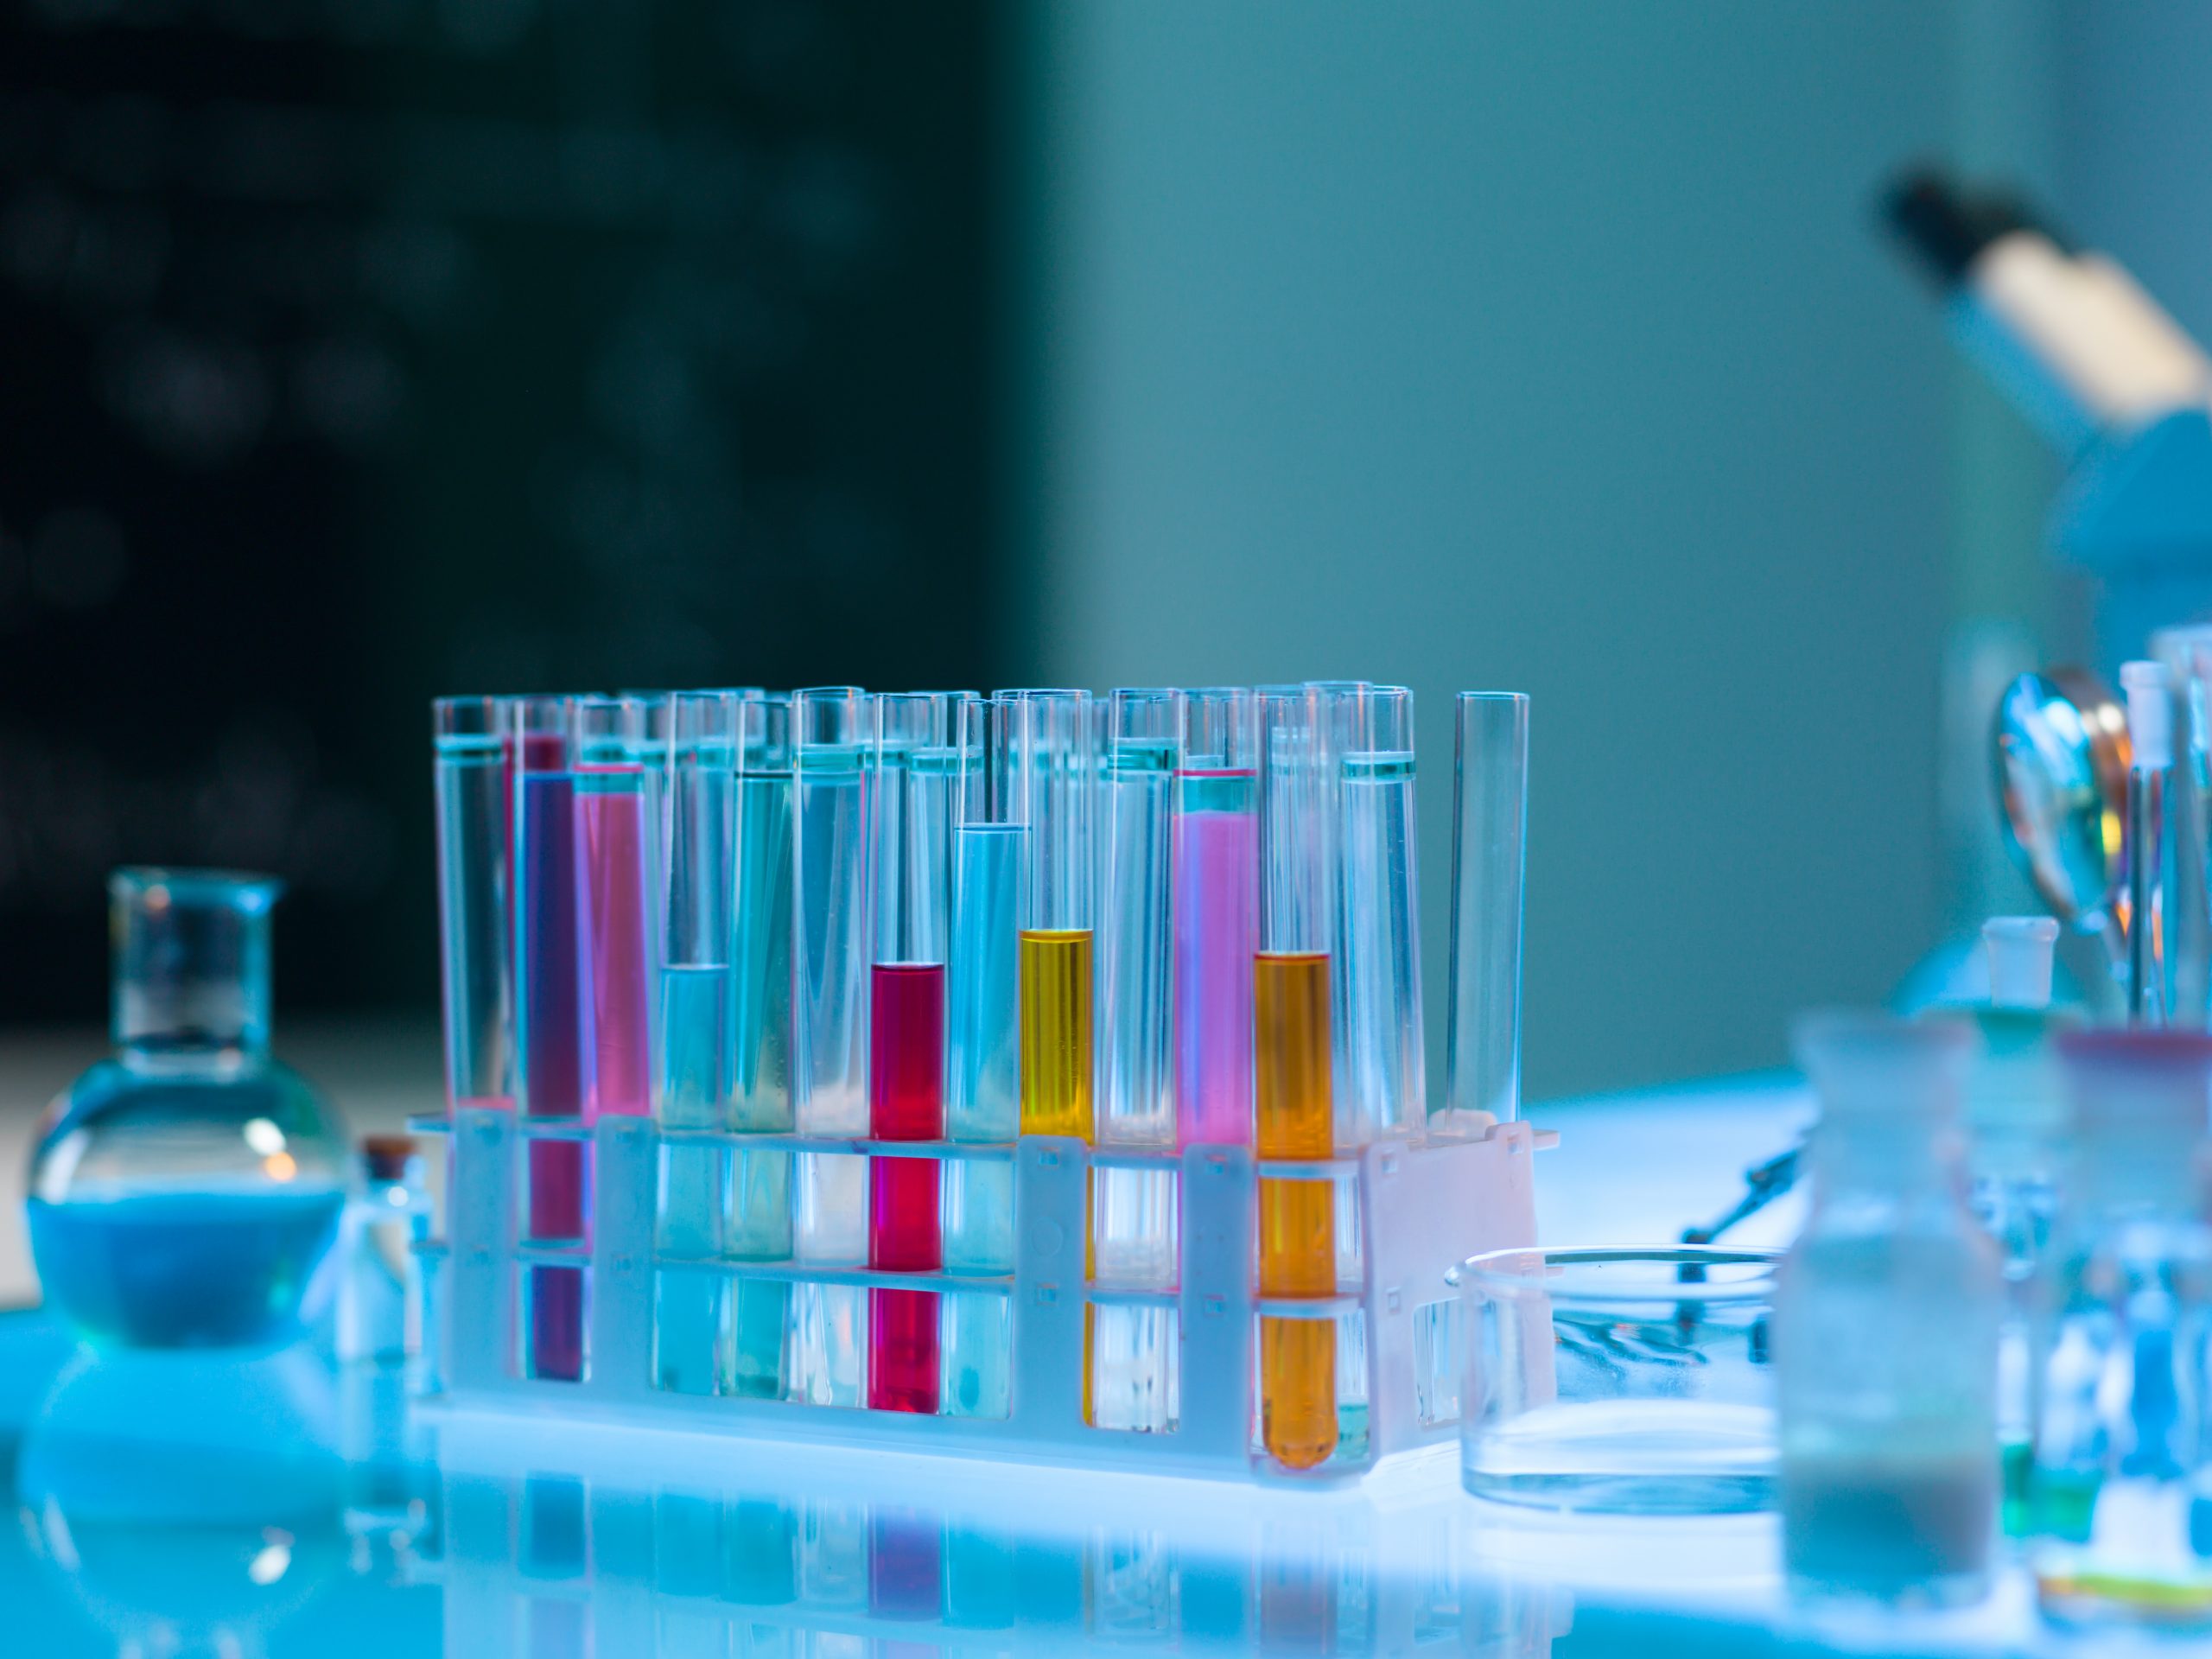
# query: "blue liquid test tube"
693,1002
1130,1348
832,729
759,1101
1380,1059
474,783
984,1052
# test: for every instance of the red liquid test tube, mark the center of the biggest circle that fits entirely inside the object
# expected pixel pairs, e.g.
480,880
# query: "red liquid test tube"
905,1103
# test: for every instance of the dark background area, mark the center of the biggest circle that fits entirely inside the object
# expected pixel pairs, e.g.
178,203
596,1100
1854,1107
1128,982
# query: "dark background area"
357,351
354,350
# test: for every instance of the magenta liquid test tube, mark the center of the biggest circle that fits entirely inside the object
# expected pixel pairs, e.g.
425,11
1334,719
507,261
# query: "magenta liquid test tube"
552,1035
911,823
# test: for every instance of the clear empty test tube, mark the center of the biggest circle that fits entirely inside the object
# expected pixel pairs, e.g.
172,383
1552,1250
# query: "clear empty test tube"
758,1223
698,785
912,814
1060,780
1481,1083
1130,1347
833,730
983,1073
2187,652
1216,915
549,1035
2149,733
474,782
1293,1067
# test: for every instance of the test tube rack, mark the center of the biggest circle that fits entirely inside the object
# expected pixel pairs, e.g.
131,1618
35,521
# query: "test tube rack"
1421,1209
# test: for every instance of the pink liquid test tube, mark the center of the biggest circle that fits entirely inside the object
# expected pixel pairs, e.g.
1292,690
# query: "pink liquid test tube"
1216,927
611,834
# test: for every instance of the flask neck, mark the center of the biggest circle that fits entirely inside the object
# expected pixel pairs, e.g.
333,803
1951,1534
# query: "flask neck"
191,965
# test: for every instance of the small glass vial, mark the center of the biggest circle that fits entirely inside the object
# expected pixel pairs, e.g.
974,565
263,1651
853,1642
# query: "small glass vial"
2123,1475
185,1192
380,1279
1886,1317
2016,1118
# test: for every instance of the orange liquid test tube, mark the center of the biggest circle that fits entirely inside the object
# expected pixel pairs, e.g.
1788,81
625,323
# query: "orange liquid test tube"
1294,1119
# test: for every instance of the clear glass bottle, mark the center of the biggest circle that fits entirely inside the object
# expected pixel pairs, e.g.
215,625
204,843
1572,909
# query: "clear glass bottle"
185,1191
2123,1476
1886,1317
380,1285
2016,1123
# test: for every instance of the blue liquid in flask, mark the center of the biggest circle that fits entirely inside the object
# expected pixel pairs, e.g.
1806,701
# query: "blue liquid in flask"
185,1192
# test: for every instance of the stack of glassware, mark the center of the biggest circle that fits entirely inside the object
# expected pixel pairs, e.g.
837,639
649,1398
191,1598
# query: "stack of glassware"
868,968
1999,1316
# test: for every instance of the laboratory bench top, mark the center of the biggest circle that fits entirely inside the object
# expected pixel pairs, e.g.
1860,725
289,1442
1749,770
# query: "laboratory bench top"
185,1504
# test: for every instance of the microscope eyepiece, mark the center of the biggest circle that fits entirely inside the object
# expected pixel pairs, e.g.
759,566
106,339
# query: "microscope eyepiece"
1948,227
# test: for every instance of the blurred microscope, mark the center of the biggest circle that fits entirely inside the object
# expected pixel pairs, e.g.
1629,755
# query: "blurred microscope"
2113,835
2123,397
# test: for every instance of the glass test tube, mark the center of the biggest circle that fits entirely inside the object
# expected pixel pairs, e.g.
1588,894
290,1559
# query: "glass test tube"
983,1081
832,732
1217,866
1059,781
1130,1347
645,737
2149,730
1482,1067
2186,651
758,1227
611,835
1339,721
697,807
912,815
550,1036
1293,1069
475,884
1382,1084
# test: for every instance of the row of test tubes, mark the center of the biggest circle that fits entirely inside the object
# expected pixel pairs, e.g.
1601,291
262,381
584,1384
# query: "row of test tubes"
844,947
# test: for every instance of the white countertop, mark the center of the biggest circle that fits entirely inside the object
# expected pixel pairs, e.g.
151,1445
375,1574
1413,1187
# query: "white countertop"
1633,1168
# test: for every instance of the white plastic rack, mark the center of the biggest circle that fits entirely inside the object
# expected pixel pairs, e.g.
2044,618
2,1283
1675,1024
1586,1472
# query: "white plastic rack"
1419,1208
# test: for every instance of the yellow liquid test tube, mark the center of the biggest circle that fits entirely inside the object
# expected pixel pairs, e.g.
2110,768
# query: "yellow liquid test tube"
1055,971
1294,1118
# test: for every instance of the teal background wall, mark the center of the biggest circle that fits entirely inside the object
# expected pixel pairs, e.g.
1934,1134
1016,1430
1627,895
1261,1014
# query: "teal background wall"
1552,349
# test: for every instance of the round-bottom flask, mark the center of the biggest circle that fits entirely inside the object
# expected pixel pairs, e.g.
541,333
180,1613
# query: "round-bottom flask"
185,1191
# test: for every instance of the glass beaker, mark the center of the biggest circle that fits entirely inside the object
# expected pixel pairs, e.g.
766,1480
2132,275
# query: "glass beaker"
184,1191
1631,1380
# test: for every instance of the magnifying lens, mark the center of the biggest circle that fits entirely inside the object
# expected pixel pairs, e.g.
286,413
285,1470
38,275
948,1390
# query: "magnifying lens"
2060,750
